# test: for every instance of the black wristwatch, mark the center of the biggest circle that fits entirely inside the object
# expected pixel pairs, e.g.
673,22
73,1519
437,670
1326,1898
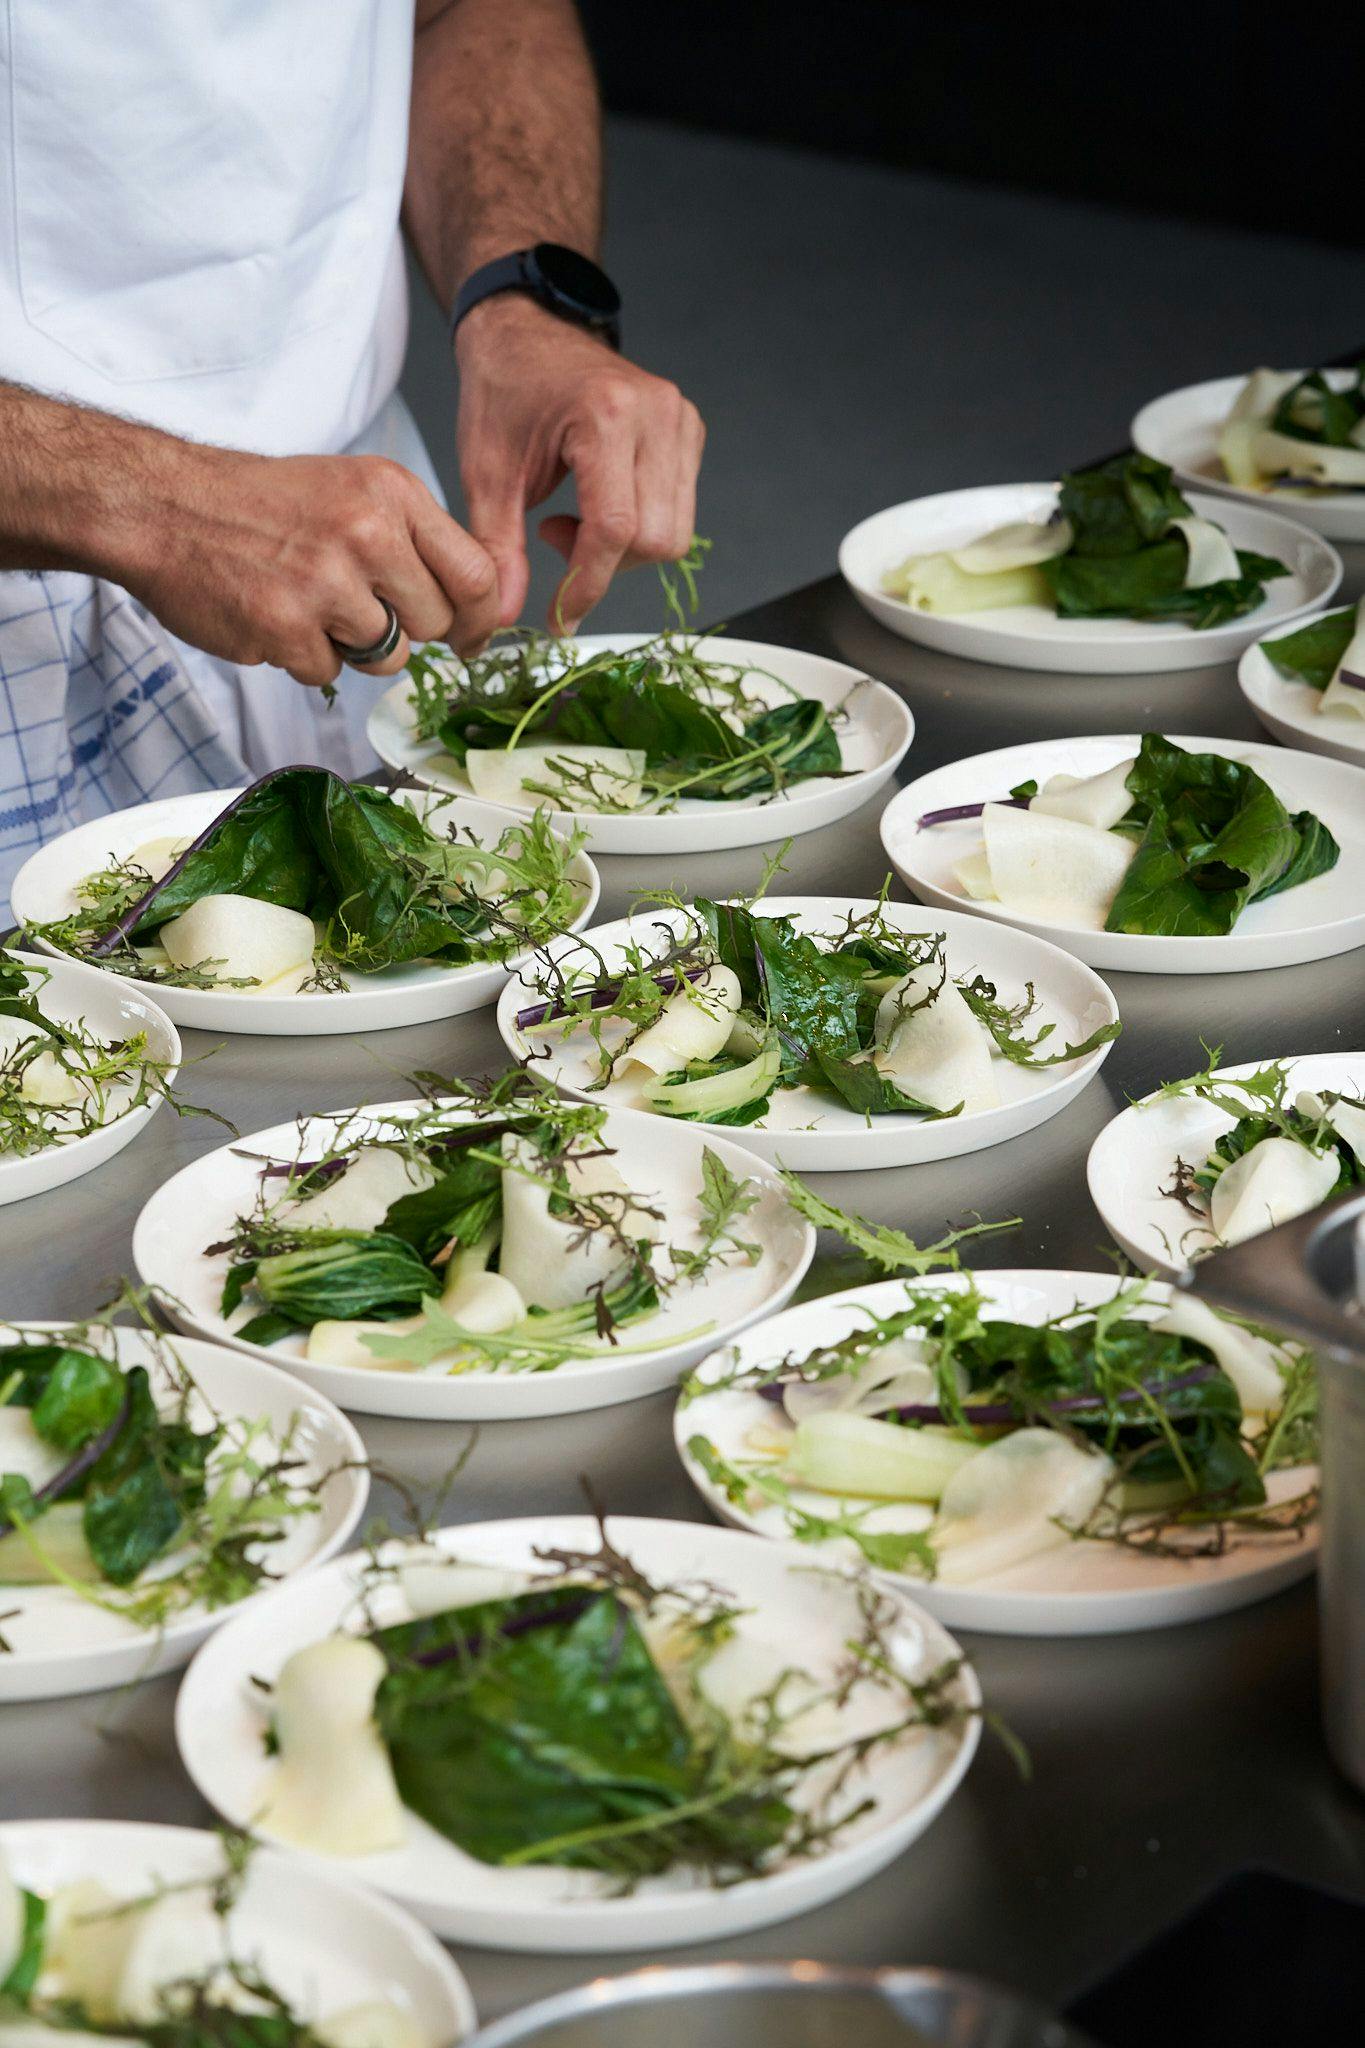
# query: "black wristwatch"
557,278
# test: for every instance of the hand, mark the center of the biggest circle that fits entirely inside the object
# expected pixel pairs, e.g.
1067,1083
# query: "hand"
260,558
540,398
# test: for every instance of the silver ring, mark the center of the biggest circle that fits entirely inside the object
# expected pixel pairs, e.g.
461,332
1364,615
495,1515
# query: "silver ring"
362,657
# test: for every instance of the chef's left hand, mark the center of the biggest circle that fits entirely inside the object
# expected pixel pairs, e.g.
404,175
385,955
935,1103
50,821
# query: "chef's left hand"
540,399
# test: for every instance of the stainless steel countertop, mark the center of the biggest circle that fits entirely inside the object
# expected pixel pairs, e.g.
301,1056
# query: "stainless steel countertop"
1161,1761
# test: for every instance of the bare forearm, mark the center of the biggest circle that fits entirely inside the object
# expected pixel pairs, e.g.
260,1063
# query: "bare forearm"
78,488
505,146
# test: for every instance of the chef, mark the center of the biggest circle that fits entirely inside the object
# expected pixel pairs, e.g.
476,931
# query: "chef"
211,493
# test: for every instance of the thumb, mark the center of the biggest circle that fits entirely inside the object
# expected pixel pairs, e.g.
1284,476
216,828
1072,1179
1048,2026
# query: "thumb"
497,520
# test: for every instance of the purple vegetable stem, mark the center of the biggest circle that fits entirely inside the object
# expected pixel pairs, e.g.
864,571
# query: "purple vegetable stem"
601,998
519,1625
955,813
992,1413
89,1455
135,912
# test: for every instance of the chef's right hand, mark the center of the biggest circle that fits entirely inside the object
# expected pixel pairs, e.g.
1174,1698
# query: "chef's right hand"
261,558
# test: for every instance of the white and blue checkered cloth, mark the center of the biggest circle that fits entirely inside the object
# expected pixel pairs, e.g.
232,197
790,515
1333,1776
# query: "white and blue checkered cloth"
97,711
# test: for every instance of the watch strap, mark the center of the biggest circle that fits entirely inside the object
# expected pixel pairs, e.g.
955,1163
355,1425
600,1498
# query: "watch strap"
517,273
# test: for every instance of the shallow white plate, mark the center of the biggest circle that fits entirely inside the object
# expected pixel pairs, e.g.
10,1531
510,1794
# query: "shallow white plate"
1134,1158
1181,428
811,1133
62,1644
1289,709
1313,922
1032,635
790,1615
875,734
1076,1589
72,994
321,1941
198,1206
419,993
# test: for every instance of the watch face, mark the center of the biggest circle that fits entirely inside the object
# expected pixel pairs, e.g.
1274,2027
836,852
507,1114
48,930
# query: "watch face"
576,280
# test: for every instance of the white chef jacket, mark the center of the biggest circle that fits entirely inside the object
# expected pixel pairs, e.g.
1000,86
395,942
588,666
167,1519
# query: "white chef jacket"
202,233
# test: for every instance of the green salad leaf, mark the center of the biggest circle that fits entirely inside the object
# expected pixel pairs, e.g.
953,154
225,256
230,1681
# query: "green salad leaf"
1214,838
1125,561
1313,653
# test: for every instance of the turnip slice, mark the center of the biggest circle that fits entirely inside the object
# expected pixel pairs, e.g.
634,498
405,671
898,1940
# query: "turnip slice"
240,938
694,1023
937,1053
373,2025
1054,869
174,1942
360,1197
896,1376
499,774
1097,800
42,1079
1281,455
1274,1181
157,857
1005,1504
1345,693
855,1455
553,1261
1250,1362
333,1790
1211,558
1020,545
974,874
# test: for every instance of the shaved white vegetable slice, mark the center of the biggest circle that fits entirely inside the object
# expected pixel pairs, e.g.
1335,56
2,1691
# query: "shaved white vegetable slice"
934,583
333,1789
1098,800
937,1052
1261,393
23,1453
1347,1119
42,1079
377,2025
713,1094
360,1197
38,2034
11,1921
540,1255
240,938
437,1588
482,1301
86,1940
974,873
857,1455
1275,1180
1004,1505
1250,1362
694,1024
1344,696
606,778
896,1375
56,1549
1054,869
157,857
173,1944
1281,455
343,1344
1020,545
1212,557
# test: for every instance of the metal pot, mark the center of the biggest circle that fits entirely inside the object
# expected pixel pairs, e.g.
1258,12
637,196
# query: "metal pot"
1307,1278
802,2005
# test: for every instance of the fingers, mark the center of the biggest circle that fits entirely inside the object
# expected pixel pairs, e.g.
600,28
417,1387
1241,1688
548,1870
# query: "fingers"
604,470
466,572
496,497
363,624
666,465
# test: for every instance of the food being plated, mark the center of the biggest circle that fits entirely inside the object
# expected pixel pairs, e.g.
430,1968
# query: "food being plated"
82,1963
120,1483
60,1080
1294,432
1121,543
1287,1150
1328,655
620,729
585,1713
942,1436
304,877
1169,842
486,1231
723,1006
